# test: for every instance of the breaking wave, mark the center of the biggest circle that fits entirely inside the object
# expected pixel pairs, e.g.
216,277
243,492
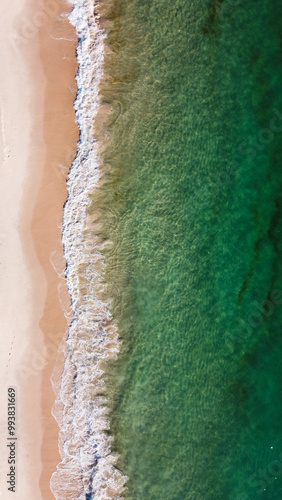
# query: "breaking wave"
87,469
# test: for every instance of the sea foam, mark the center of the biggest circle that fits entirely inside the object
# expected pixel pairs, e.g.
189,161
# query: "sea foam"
87,469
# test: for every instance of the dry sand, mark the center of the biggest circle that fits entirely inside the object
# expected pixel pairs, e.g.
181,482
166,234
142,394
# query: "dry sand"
37,144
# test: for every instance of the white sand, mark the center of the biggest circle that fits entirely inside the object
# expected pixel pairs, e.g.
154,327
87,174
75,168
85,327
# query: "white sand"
27,277
16,301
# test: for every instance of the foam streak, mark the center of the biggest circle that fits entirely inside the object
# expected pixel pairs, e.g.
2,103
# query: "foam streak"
87,468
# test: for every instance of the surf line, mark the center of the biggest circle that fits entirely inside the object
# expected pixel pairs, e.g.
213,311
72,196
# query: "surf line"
87,469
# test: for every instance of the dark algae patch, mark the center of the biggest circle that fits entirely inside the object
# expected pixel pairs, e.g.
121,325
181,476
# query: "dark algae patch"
191,203
210,27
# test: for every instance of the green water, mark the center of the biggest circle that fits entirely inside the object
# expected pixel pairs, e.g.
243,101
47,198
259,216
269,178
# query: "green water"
192,204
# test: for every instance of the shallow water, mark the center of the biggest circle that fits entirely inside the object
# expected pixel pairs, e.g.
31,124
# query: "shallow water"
192,206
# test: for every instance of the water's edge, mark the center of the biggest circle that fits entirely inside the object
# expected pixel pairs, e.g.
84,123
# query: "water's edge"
87,468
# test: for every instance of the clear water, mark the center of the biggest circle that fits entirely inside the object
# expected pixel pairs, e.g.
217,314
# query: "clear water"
192,204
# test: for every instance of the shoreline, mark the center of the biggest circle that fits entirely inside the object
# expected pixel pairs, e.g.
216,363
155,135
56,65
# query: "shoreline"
87,467
57,45
44,44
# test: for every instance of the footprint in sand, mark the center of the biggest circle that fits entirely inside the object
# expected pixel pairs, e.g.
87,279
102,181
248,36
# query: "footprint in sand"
10,352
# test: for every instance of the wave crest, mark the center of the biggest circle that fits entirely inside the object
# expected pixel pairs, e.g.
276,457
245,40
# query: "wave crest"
87,469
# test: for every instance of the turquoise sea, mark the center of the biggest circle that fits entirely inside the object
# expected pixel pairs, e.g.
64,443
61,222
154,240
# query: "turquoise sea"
192,205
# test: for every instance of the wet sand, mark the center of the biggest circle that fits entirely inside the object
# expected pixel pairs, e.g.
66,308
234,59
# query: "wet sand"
38,143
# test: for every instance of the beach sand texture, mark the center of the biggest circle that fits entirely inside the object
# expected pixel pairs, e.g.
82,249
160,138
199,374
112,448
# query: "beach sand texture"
37,145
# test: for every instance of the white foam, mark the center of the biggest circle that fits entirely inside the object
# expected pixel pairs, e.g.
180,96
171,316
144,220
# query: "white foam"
87,464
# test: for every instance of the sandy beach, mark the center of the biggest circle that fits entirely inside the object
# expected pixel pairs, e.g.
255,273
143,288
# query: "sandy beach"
37,145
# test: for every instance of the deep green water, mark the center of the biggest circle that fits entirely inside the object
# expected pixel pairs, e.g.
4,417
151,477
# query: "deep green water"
192,204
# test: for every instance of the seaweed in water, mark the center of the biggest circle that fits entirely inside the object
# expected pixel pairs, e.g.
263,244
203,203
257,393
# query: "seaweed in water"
209,27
